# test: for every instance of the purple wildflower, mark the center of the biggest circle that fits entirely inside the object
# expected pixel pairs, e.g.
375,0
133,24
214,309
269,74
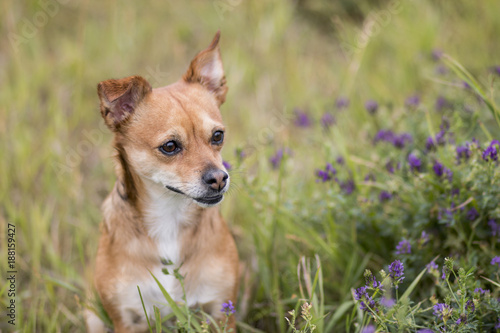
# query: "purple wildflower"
429,144
228,308
438,168
466,85
495,228
440,70
366,301
403,247
495,261
368,329
327,174
370,177
388,302
396,272
432,266
415,162
436,54
322,175
277,158
481,291
445,272
342,102
348,187
497,326
371,280
424,238
413,101
442,311
240,153
445,124
472,214
461,320
383,135
476,142
469,306
445,214
389,167
463,152
327,120
340,160
330,169
360,293
491,152
425,330
400,141
302,119
227,165
441,138
449,174
371,106
441,103
384,196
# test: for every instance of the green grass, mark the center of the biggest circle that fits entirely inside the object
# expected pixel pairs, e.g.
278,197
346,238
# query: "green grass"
55,160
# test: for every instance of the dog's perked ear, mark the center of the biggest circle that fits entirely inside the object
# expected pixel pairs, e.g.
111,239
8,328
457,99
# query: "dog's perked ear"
119,98
206,69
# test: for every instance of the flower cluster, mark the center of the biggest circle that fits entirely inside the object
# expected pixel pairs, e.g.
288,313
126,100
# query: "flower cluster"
443,311
414,162
365,301
278,157
432,267
371,106
491,152
302,119
342,103
495,228
398,140
404,247
396,272
413,101
440,170
327,174
228,308
327,120
384,196
371,280
496,261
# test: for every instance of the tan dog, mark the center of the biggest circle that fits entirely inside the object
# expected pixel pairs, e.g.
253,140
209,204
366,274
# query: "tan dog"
162,211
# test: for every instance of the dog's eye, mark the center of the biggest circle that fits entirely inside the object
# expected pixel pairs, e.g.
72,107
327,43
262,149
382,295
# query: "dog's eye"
218,137
170,148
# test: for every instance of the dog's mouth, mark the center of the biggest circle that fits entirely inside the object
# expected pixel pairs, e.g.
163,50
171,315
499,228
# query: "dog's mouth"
206,200
210,200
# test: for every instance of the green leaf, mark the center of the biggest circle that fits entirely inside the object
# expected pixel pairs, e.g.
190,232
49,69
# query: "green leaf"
145,312
412,285
173,305
157,319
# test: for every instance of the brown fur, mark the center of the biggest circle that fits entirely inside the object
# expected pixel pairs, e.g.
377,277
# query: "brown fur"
143,119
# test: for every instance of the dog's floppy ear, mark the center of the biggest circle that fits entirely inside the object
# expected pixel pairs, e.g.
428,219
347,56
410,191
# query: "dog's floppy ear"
119,98
206,69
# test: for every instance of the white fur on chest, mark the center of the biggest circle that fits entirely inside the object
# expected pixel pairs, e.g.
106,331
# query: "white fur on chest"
164,218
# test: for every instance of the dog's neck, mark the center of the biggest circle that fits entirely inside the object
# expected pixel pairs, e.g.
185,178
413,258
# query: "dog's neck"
165,215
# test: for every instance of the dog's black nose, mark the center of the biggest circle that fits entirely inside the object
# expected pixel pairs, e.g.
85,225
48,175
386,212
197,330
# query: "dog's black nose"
215,179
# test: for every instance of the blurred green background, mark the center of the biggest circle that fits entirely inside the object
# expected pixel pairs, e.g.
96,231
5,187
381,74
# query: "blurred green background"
55,161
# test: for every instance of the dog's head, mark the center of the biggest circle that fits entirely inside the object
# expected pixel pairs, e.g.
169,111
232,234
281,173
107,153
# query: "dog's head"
171,137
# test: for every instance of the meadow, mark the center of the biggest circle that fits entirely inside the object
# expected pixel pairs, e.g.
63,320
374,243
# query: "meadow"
361,138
